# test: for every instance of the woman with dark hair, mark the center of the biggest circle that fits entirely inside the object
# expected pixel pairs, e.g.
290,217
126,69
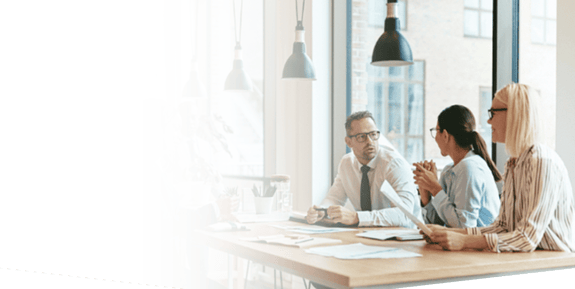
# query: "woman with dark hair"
537,203
466,195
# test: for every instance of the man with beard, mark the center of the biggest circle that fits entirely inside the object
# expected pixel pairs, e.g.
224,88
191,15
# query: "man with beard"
362,176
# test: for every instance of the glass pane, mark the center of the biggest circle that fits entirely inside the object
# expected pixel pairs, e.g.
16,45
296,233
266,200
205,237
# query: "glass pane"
537,66
551,32
377,12
395,108
487,5
537,8
551,9
486,24
416,71
471,24
375,102
471,3
415,110
396,72
398,143
414,150
537,30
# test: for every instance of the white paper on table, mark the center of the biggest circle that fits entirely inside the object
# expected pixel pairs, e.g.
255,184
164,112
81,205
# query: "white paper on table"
313,229
361,251
394,198
385,234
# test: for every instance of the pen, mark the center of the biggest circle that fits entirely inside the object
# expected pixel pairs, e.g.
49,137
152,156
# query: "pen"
304,240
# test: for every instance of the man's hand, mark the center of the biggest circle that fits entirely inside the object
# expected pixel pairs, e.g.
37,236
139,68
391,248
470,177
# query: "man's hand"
339,214
313,215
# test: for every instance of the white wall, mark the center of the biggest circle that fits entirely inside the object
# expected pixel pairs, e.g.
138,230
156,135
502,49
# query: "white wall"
565,84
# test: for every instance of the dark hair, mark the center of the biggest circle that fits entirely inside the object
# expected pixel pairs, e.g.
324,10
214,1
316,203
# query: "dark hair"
356,116
460,123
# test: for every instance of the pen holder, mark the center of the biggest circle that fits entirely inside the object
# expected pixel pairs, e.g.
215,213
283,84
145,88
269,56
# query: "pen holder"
263,205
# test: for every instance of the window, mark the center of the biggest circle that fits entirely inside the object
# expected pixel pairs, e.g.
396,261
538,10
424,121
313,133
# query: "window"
406,101
538,63
478,15
544,21
378,12
396,98
484,129
237,138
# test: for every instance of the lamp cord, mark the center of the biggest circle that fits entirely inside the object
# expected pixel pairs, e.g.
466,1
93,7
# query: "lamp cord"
302,10
235,22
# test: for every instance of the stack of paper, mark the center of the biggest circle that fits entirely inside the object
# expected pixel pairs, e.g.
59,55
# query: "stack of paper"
407,234
295,240
361,251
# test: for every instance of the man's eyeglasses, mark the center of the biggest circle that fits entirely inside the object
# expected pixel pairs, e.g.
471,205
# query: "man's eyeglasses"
361,137
491,110
433,131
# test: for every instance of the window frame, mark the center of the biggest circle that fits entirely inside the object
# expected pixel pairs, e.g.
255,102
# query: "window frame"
479,11
545,21
382,122
505,65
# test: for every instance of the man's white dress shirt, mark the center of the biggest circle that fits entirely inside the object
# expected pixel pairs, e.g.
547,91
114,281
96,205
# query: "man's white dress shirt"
389,171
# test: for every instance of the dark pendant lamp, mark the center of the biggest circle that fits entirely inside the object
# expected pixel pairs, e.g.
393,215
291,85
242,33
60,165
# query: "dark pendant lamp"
299,66
238,79
392,49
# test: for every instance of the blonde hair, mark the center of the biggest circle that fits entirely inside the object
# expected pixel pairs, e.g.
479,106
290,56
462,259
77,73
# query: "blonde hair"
524,126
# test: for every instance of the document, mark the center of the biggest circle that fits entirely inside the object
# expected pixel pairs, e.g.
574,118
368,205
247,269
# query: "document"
361,251
394,198
293,240
402,235
313,229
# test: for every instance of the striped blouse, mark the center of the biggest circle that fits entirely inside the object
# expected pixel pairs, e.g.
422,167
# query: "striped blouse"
537,205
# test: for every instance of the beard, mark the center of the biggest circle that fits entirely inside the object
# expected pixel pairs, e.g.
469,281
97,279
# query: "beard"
369,152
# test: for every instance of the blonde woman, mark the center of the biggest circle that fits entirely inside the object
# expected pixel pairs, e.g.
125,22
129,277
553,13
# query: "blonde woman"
537,203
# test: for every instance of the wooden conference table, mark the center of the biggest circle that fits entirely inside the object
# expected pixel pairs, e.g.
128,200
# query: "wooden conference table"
435,265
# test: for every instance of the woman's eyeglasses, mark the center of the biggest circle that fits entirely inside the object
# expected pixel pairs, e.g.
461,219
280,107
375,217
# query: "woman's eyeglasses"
491,110
433,131
361,137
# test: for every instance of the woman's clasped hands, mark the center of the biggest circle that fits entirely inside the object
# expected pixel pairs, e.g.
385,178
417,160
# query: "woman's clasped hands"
425,176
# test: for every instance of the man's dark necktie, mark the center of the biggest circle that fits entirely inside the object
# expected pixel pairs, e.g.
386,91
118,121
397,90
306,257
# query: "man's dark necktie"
365,190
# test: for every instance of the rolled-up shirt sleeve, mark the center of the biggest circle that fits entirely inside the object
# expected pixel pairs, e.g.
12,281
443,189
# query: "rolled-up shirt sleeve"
336,194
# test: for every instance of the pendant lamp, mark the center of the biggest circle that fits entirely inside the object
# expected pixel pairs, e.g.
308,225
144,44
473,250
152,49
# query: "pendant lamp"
238,79
299,65
392,49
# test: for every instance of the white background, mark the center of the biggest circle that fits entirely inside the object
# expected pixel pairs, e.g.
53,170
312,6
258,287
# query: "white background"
79,83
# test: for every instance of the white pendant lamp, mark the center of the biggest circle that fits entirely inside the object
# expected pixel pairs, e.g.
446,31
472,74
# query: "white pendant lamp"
299,65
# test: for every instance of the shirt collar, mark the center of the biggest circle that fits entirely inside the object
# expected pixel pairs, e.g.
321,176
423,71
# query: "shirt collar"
469,154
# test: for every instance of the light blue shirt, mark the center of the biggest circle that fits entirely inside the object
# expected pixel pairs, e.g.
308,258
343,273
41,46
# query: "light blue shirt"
469,197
